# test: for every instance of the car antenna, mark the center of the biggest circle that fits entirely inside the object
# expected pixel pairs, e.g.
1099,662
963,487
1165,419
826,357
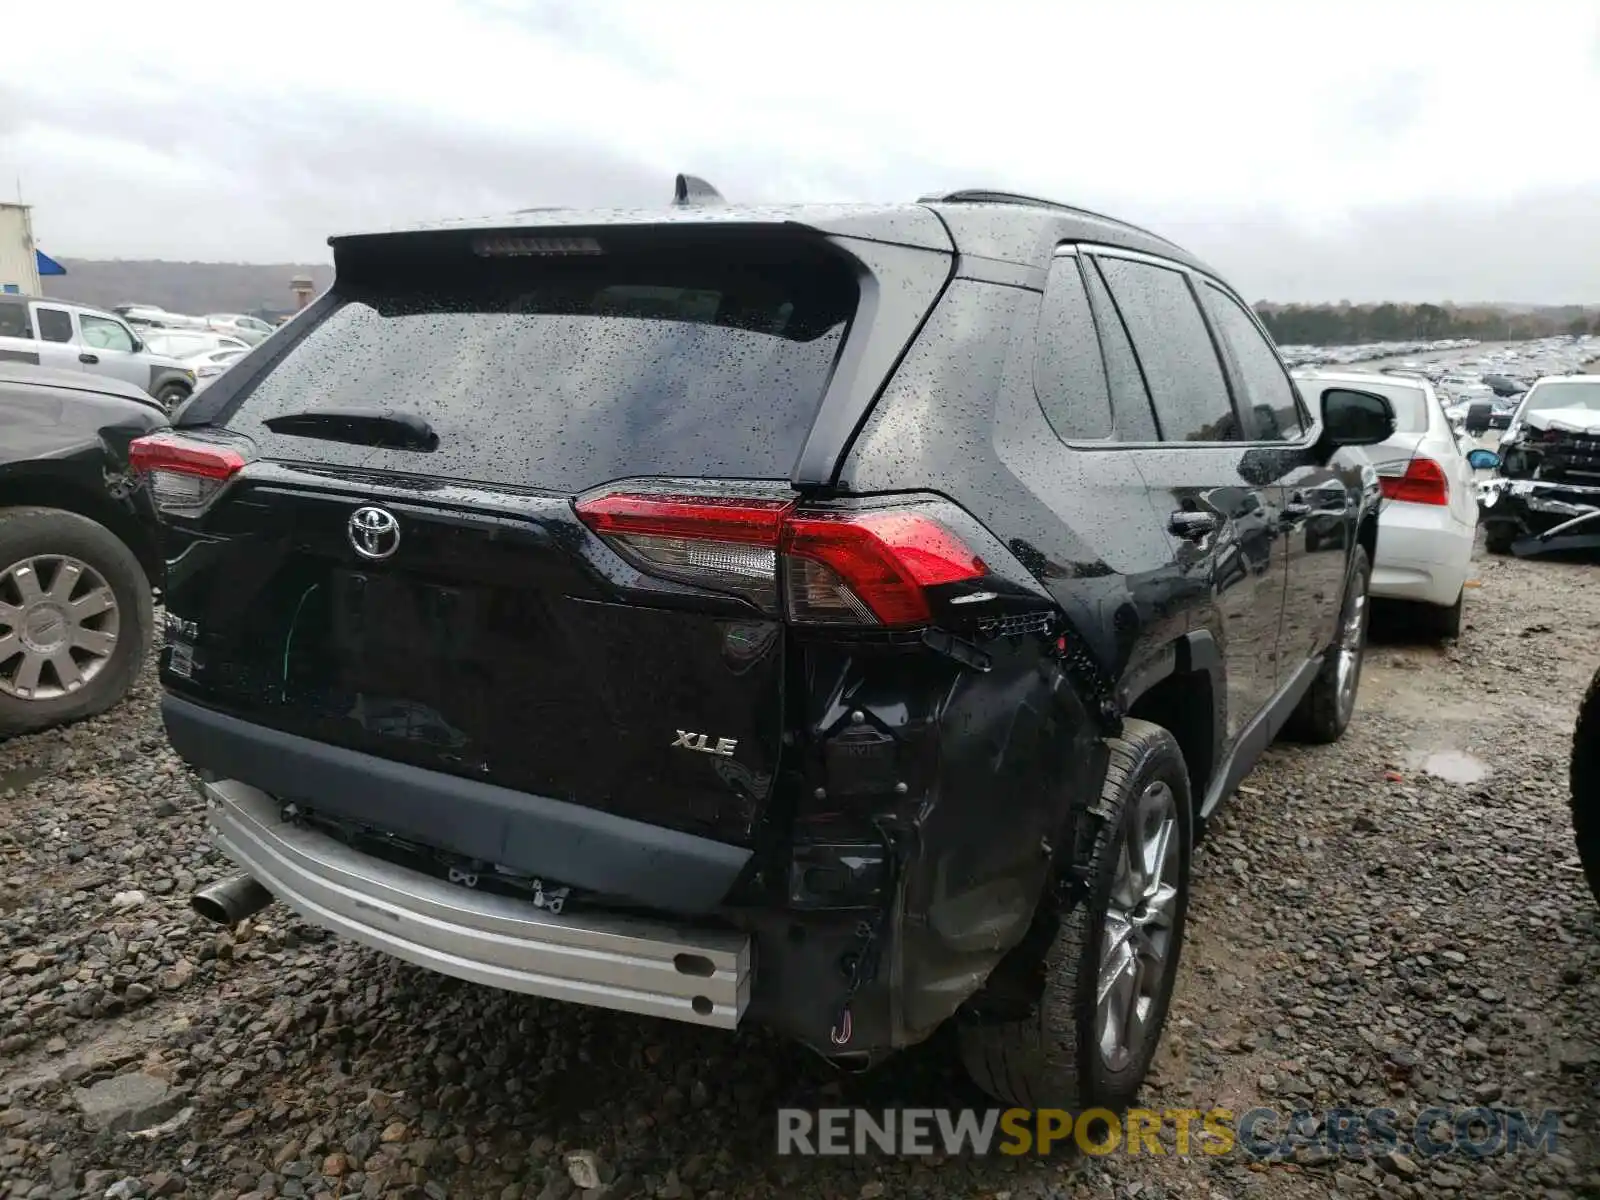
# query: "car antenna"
692,191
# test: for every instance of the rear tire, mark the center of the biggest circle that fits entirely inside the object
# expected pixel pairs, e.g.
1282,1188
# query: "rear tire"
1065,1053
1586,785
1324,712
1445,623
66,557
1497,538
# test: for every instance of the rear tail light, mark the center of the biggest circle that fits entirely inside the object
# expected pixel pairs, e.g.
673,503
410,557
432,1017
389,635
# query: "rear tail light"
184,475
1422,482
845,568
727,544
842,566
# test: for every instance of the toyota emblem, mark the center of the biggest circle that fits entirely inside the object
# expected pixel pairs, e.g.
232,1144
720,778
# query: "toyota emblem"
374,533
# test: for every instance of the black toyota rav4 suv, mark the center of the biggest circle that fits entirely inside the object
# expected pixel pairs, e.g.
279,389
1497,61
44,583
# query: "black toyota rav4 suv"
840,618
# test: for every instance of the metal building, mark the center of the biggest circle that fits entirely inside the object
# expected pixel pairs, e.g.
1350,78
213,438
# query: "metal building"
21,262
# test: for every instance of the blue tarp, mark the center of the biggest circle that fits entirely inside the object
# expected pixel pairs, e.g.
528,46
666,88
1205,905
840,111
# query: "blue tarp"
48,265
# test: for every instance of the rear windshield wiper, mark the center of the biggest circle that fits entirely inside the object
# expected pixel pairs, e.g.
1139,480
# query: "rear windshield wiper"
386,428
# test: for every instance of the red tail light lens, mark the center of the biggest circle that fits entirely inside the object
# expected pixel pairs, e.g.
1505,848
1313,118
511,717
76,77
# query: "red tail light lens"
184,475
859,568
698,518
1424,482
870,567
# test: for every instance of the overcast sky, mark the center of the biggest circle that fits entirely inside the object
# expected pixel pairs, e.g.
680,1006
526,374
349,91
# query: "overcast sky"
1311,150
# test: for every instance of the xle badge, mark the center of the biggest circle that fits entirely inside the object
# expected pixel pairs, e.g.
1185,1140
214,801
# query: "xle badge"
703,743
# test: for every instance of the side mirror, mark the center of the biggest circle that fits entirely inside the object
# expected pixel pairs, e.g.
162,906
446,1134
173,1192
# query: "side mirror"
138,346
1352,418
1483,460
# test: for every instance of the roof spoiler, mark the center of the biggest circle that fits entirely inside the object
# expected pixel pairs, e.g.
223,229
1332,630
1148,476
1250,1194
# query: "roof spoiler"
690,191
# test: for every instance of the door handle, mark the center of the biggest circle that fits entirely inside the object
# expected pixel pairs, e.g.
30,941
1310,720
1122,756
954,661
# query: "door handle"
1193,526
88,358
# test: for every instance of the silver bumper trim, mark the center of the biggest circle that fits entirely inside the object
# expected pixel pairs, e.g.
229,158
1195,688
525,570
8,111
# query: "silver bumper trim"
654,968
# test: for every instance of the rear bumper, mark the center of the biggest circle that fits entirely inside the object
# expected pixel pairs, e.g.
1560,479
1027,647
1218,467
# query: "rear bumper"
1424,554
604,960
581,847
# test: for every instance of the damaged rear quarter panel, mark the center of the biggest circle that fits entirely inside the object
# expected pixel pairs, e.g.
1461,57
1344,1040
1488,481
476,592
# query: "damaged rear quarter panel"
1014,755
1014,747
950,786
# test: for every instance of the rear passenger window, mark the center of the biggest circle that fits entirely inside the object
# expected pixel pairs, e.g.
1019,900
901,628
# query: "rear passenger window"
14,320
1180,364
54,325
1268,400
1068,376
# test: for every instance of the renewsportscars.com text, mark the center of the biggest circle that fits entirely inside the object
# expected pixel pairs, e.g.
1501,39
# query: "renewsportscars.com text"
1258,1133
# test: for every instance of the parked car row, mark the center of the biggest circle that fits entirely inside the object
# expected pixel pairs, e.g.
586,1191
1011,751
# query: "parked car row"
248,329
1482,392
72,337
169,364
1345,356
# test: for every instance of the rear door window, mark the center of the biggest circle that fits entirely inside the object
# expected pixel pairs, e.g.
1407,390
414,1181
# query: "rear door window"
55,324
1180,363
563,373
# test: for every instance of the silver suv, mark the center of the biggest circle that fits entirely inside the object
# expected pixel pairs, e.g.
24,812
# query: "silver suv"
73,337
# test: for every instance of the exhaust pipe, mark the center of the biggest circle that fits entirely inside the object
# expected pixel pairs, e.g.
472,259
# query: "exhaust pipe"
231,900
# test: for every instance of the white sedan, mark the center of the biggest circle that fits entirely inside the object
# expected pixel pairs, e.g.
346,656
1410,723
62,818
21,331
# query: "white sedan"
1429,516
208,364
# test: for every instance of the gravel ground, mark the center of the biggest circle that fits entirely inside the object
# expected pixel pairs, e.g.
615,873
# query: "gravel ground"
1363,933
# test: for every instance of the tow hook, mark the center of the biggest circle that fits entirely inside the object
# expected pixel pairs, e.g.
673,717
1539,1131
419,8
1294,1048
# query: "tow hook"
861,965
863,969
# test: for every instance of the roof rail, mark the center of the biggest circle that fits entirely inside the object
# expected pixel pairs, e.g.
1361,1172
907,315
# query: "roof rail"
989,196
692,191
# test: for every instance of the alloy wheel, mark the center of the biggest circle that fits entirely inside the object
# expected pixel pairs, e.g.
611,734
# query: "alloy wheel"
1351,645
1136,944
58,626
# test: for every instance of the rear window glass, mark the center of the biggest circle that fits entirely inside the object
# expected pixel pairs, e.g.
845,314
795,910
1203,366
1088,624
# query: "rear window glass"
564,373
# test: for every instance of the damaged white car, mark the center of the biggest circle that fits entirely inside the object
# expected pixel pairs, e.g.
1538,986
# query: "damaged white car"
1546,495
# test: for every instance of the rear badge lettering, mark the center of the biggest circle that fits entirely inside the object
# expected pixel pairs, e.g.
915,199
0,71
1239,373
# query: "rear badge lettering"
180,660
723,747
